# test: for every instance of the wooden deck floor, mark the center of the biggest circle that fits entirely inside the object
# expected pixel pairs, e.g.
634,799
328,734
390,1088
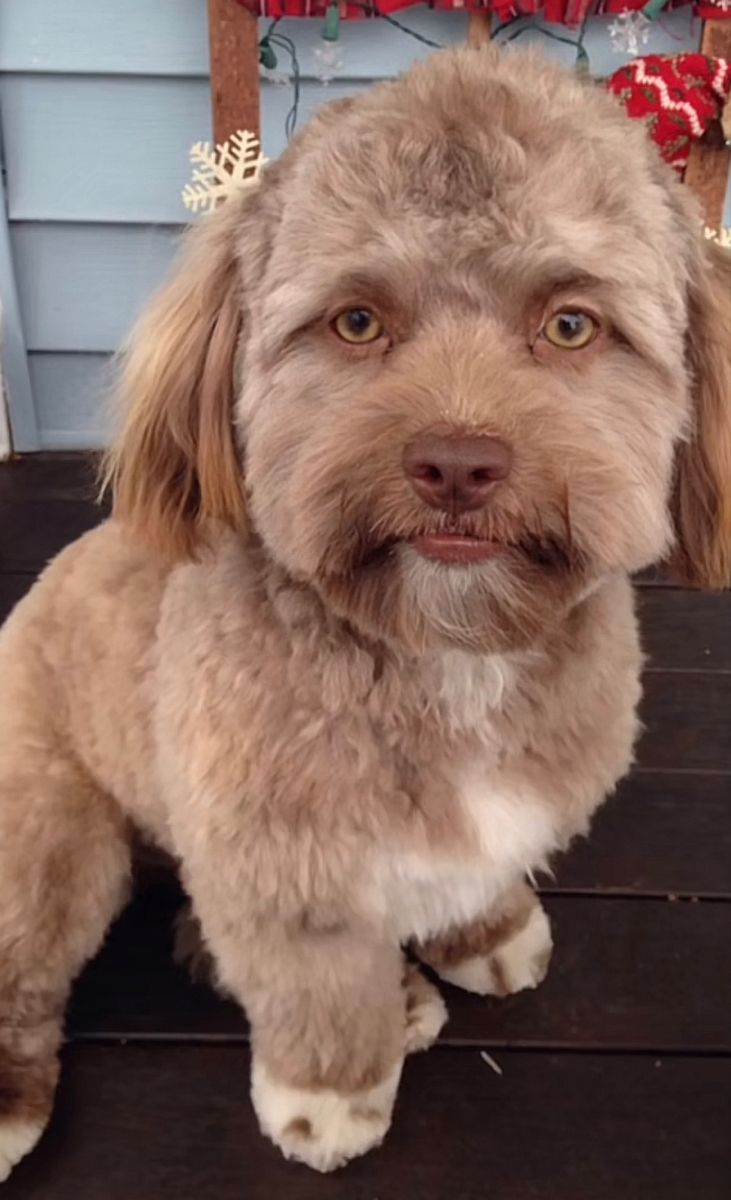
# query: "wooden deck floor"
616,1073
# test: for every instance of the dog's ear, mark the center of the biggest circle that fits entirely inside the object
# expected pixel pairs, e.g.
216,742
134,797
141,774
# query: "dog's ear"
702,497
174,467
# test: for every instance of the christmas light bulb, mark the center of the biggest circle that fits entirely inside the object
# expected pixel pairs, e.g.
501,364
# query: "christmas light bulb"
329,55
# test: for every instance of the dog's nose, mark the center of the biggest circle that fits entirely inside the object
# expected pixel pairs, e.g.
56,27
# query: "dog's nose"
456,473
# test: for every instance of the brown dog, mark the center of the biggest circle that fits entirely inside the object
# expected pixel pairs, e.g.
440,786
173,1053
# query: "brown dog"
358,646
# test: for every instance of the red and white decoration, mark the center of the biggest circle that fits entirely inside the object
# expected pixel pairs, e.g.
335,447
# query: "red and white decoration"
678,96
562,12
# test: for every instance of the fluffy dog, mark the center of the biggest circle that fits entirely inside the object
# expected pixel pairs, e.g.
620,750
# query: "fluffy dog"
358,645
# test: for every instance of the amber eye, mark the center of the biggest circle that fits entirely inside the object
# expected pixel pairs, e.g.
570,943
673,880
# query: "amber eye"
570,330
357,326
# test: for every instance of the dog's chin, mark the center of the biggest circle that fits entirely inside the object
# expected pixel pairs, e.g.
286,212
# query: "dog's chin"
445,589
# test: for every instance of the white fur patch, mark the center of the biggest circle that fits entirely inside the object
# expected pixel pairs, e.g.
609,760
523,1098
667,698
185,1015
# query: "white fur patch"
321,1127
426,894
521,962
17,1138
516,829
472,975
426,1019
445,593
472,685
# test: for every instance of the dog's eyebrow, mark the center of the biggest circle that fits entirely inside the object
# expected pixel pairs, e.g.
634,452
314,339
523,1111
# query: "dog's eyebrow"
570,280
544,275
580,259
297,303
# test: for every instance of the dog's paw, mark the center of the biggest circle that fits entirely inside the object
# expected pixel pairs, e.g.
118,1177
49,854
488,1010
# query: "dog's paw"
17,1138
518,963
321,1127
426,1012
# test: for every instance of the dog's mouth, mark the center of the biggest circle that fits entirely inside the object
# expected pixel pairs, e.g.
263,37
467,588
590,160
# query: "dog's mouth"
453,548
457,549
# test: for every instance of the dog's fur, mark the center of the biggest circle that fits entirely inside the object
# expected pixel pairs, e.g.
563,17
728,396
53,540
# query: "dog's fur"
349,747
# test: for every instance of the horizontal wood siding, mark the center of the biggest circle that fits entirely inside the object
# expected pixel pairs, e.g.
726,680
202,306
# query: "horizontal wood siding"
99,103
71,393
80,286
98,149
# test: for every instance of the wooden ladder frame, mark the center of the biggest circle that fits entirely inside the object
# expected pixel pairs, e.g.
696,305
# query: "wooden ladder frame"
234,43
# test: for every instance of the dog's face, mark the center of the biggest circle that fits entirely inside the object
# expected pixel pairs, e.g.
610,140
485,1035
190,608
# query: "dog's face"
466,364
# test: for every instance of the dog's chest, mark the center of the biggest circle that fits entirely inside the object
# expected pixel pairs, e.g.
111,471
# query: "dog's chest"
509,831
504,828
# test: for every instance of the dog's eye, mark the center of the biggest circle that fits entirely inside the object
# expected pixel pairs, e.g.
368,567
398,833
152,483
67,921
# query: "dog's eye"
357,326
570,330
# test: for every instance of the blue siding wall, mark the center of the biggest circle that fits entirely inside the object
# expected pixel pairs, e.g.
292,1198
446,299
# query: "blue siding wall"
99,104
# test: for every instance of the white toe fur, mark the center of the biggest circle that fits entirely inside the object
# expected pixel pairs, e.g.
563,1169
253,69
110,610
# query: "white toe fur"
426,1014
472,975
521,962
17,1138
321,1127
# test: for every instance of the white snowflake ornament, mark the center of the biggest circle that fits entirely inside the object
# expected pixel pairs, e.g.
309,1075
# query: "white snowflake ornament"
629,31
217,173
330,60
722,236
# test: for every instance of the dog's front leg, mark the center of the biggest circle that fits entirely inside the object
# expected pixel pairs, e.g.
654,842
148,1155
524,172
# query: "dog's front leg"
329,1027
505,951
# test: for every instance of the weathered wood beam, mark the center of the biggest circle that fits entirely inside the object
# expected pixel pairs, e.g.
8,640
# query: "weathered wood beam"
479,25
234,45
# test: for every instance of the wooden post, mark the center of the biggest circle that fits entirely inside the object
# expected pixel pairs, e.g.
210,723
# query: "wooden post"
708,166
234,42
479,24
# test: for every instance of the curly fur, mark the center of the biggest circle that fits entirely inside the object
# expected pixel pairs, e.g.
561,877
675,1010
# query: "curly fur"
347,746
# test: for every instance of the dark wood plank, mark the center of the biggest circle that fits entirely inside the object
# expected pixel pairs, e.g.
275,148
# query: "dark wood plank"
627,974
655,577
133,987
12,589
686,629
661,834
159,1122
687,717
46,501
